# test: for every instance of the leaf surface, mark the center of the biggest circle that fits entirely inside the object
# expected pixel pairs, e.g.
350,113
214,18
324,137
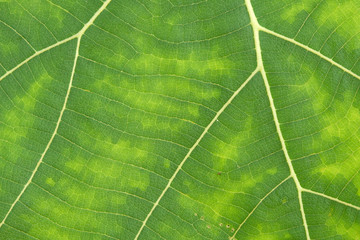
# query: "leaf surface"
179,119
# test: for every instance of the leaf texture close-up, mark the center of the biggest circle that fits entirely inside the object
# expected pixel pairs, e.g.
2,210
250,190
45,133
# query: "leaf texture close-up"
179,119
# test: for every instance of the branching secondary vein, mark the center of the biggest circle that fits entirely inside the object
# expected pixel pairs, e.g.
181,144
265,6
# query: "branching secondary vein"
51,139
257,205
260,68
256,27
192,149
263,29
331,198
37,53
78,36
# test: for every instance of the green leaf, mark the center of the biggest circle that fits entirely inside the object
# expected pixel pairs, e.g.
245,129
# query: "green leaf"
179,119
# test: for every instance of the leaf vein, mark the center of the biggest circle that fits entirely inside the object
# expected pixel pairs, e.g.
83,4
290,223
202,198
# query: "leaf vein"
193,147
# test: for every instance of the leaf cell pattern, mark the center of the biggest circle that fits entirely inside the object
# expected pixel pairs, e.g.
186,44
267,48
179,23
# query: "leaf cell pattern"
179,119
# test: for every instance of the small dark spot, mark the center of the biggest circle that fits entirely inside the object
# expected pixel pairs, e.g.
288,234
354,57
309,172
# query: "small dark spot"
219,173
202,217
221,224
233,229
227,226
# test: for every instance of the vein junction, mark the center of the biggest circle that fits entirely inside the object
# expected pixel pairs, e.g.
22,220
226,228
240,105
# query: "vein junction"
260,66
78,37
256,27
259,69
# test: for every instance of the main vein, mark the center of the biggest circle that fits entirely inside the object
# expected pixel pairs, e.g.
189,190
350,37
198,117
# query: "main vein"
256,27
78,36
193,147
260,68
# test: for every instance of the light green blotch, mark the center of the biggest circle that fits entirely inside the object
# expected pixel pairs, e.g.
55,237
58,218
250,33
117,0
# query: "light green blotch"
184,88
346,229
7,132
173,19
190,90
244,181
139,182
167,163
265,234
321,98
15,9
272,171
292,10
334,13
329,171
224,151
265,237
216,64
9,48
27,103
158,105
151,123
54,14
146,63
225,207
353,115
203,213
356,181
59,18
336,118
47,205
90,198
49,230
123,151
73,192
50,182
342,167
342,170
76,164
63,214
127,151
28,100
193,110
311,84
341,123
229,148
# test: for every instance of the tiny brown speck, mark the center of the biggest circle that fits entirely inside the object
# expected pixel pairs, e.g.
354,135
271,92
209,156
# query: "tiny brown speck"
227,225
233,229
220,224
208,226
202,218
